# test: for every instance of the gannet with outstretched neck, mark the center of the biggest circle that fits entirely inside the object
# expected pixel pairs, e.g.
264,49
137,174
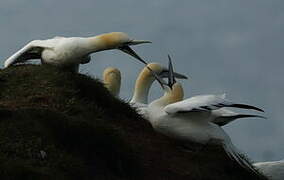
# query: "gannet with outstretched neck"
145,80
112,80
69,52
273,170
189,120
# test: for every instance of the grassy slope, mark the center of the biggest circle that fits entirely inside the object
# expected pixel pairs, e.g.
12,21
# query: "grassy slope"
88,134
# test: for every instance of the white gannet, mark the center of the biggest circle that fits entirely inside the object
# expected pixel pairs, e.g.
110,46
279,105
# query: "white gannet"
273,170
112,80
145,80
190,120
69,52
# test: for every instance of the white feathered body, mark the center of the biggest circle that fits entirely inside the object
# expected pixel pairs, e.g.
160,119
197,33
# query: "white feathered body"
59,51
194,126
190,120
65,51
72,51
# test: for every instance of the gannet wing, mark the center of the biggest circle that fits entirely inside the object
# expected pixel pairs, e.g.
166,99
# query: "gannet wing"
224,116
204,103
31,51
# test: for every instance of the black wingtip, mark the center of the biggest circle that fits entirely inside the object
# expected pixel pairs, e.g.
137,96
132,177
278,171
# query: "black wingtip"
245,106
249,116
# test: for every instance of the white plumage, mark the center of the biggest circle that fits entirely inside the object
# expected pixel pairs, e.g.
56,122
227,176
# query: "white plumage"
187,124
215,104
69,52
190,120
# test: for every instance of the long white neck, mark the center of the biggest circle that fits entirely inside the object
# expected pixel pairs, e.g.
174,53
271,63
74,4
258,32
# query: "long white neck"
142,87
102,42
95,44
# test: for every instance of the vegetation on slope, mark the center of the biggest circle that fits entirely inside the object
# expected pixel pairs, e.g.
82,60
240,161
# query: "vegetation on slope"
60,125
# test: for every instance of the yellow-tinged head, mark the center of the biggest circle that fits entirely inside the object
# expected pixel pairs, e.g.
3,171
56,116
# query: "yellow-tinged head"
171,95
146,78
113,40
146,72
175,93
118,40
112,80
159,70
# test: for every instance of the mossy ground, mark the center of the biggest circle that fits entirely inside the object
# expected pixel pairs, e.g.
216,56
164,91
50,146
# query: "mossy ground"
88,134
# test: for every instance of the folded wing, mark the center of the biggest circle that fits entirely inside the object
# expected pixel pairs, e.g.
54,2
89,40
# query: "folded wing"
204,103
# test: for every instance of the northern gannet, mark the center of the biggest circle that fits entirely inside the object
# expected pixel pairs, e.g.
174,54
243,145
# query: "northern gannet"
145,80
112,80
69,52
273,170
189,120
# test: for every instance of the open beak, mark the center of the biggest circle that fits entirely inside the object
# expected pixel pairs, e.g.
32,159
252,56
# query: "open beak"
131,52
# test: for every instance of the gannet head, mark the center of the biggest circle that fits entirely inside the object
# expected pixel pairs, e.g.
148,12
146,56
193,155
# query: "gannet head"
175,93
169,73
153,69
145,79
112,80
175,90
171,95
121,41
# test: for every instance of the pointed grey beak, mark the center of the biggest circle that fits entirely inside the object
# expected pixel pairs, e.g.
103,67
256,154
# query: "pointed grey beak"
136,42
132,53
171,80
125,48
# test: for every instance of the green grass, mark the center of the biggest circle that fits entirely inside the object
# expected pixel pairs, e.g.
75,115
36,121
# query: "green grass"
88,134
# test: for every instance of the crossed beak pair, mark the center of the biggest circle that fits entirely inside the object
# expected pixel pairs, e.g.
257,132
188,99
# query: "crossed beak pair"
170,74
167,73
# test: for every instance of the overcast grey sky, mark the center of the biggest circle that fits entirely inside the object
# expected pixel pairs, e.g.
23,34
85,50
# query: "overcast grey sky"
225,46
